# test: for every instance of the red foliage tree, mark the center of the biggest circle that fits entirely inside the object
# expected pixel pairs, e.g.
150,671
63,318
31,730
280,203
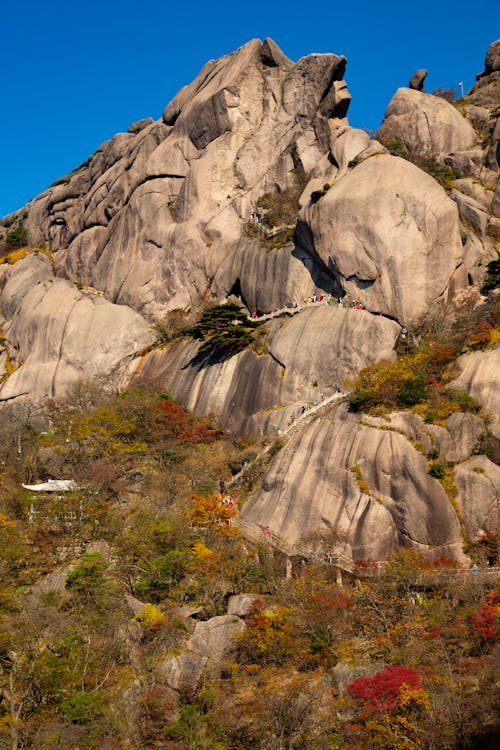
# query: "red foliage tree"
381,693
485,620
174,421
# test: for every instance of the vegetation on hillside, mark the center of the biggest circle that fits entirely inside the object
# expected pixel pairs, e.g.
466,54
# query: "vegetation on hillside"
420,376
93,581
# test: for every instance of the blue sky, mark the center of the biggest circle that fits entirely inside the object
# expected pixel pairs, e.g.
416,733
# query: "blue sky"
75,73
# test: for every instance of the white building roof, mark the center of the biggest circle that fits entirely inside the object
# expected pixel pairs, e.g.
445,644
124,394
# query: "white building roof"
53,485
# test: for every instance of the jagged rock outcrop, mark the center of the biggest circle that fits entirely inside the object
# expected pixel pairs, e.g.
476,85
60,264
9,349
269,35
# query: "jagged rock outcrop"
168,216
130,221
479,375
426,125
362,489
58,334
478,482
492,60
211,641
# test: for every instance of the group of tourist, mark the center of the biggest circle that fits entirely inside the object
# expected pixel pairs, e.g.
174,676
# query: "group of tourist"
293,304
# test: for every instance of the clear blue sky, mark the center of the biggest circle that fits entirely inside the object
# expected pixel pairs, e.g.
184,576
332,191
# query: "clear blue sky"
75,73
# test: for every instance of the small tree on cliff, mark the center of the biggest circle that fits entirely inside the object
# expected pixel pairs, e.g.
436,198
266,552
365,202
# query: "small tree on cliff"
225,329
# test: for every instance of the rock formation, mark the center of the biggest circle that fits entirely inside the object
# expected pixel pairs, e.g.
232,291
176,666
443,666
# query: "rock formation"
427,125
417,79
253,187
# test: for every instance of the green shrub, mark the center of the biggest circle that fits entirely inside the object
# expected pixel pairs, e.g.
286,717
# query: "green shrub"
437,470
363,399
467,403
397,148
225,329
16,237
412,391
493,279
88,574
317,194
443,174
83,708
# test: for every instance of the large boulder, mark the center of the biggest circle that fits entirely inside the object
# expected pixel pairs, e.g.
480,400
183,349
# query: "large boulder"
417,79
204,652
389,233
362,489
478,482
492,60
59,334
427,125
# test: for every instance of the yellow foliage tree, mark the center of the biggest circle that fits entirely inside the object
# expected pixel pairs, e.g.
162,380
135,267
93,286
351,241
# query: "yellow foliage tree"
211,513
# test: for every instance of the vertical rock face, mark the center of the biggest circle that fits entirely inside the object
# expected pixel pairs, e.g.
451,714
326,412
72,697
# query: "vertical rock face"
252,185
310,354
156,216
61,334
479,375
361,489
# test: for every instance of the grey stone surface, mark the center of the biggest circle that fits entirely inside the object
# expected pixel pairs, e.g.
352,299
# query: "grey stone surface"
60,334
390,234
478,482
427,125
417,79
310,354
241,604
471,212
495,203
479,375
492,61
129,221
363,489
203,653
136,127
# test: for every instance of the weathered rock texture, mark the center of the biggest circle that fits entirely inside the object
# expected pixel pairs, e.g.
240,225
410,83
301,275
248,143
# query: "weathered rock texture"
309,355
204,652
478,482
362,489
479,374
427,125
168,216
156,217
417,79
59,334
390,234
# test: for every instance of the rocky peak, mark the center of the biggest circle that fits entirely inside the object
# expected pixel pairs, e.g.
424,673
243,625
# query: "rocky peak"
253,187
492,60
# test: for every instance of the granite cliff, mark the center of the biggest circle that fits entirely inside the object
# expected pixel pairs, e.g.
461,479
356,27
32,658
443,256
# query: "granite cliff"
252,187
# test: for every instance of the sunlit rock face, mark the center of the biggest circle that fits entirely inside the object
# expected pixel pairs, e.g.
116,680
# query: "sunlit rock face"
156,217
363,489
61,334
426,125
390,234
253,187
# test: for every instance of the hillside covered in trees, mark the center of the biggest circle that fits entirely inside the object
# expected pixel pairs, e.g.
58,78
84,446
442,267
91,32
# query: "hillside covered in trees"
249,425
